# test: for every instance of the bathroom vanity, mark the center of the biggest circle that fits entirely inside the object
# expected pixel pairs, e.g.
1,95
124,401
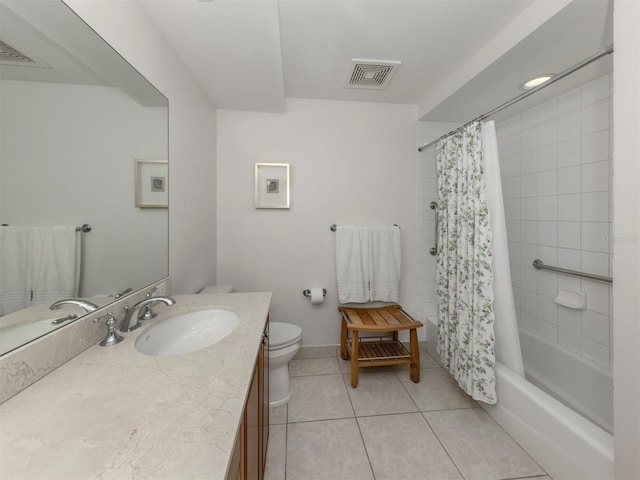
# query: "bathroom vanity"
113,412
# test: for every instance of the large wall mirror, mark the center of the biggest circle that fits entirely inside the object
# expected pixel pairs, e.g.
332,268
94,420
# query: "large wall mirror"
74,119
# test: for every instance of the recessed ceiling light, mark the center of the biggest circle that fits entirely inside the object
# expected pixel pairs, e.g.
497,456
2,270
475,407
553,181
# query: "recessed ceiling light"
535,82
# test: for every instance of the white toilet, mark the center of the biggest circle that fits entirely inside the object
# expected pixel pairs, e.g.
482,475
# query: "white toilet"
284,342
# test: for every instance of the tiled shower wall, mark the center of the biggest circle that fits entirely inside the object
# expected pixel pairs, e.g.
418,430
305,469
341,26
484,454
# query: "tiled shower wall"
555,161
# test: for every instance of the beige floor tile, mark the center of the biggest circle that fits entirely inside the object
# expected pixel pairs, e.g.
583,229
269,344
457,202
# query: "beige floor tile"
328,450
404,447
427,361
379,394
276,453
313,366
479,447
437,390
318,397
330,351
278,415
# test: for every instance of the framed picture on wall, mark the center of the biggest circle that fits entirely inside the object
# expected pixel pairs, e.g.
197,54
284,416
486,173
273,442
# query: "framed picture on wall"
151,179
272,185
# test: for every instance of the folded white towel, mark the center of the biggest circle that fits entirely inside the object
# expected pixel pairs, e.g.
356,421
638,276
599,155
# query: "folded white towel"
352,264
385,263
15,276
55,263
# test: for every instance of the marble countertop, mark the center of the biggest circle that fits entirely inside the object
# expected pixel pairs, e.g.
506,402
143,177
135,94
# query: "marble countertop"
114,413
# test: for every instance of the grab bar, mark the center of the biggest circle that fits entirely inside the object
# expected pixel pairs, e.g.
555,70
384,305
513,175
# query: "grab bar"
539,265
434,250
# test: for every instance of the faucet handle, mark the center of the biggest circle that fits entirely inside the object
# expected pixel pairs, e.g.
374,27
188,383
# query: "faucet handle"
112,337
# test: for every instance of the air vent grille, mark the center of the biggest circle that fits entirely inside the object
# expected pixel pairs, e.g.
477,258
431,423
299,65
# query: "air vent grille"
370,73
8,54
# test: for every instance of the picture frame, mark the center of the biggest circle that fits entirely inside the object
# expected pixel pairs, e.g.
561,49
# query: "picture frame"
272,185
151,178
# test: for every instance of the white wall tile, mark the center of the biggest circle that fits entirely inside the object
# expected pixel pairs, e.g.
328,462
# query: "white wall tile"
548,207
596,90
547,309
548,182
569,207
569,101
569,180
529,322
529,253
529,278
513,165
529,208
595,236
529,118
595,116
512,209
548,233
569,319
569,235
596,146
595,177
569,125
529,139
569,152
529,302
595,207
548,110
513,230
597,296
548,255
569,258
548,281
548,132
596,263
514,252
548,157
528,161
595,326
529,232
512,187
529,185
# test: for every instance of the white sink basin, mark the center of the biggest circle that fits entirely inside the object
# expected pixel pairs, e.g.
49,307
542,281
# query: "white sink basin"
187,332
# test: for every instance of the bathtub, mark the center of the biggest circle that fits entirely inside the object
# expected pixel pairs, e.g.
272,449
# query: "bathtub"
564,443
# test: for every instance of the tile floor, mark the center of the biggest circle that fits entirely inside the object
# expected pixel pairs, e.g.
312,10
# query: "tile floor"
388,428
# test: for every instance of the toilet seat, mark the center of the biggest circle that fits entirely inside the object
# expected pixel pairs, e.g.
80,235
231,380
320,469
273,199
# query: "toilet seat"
283,335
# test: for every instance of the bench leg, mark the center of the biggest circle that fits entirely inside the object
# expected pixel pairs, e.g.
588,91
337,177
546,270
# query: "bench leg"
344,353
415,355
354,358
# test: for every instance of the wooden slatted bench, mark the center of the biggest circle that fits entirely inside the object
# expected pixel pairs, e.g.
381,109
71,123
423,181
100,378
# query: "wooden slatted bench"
367,352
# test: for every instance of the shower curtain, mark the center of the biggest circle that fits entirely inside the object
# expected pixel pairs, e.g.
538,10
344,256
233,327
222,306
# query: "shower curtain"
465,276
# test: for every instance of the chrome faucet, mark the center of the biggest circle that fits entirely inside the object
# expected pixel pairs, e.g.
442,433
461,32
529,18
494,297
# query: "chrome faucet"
131,318
88,306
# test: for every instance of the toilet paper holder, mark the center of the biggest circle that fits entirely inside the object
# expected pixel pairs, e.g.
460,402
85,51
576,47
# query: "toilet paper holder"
307,292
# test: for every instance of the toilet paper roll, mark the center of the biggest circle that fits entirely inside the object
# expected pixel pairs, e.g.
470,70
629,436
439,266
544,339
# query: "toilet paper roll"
317,297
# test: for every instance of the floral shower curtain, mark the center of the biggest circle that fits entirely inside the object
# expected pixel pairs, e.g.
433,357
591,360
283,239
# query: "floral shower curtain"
465,295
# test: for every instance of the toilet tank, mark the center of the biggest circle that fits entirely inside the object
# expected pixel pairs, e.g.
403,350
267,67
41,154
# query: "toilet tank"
217,289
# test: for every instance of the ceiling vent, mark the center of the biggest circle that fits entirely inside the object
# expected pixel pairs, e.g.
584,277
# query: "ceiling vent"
12,56
370,73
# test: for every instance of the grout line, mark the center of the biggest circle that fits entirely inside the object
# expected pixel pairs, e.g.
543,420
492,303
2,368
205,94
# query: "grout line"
441,444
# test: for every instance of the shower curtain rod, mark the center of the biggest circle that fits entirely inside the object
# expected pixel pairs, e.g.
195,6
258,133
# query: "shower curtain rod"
608,50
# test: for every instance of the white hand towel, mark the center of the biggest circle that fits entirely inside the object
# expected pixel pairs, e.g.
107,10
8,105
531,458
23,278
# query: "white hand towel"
352,264
15,275
385,249
55,256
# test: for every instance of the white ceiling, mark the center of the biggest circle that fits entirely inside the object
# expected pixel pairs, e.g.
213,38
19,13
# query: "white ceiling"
251,54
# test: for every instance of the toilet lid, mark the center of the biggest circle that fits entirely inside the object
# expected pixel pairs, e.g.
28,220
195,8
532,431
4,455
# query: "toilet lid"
283,334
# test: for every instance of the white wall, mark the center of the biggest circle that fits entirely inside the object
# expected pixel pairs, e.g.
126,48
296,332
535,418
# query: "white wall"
556,180
70,152
626,261
351,164
192,136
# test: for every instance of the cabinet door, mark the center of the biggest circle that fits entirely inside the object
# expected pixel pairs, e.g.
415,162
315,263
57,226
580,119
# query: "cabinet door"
253,462
264,393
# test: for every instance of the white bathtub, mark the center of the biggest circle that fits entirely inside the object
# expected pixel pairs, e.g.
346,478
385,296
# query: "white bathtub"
584,385
564,443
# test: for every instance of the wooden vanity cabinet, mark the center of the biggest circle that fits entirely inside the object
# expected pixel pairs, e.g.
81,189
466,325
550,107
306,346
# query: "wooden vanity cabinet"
250,452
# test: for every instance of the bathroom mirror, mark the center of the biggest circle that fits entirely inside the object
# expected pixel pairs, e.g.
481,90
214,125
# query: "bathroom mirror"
74,118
